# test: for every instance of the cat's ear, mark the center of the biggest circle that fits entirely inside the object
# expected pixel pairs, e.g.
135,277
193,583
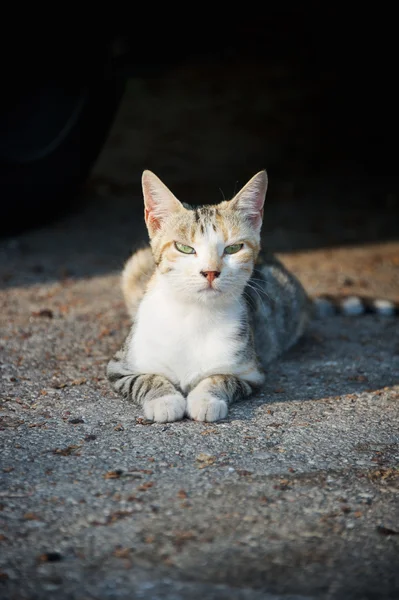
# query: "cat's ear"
159,202
251,198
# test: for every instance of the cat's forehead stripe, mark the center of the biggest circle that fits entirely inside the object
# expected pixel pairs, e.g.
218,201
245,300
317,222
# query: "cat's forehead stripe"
209,216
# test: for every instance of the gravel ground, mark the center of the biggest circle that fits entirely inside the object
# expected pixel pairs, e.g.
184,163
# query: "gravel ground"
294,495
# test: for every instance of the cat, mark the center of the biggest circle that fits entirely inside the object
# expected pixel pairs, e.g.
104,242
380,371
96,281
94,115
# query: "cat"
210,309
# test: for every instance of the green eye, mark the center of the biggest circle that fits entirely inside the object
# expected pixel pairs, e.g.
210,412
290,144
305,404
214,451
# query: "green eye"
233,249
185,249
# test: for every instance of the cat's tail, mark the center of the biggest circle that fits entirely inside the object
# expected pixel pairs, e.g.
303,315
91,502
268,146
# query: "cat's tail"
352,306
136,274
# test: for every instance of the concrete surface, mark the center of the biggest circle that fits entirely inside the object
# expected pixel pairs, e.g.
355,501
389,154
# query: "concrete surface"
293,496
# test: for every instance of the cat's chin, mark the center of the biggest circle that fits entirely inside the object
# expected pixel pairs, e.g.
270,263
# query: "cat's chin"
210,296
209,291
206,296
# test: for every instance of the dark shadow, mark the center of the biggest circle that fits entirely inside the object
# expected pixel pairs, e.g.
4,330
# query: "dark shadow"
329,567
314,105
328,363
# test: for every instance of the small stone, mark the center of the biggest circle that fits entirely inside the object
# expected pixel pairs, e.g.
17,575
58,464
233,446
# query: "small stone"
44,312
50,557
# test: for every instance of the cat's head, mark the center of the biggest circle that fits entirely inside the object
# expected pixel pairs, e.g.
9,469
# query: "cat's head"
205,253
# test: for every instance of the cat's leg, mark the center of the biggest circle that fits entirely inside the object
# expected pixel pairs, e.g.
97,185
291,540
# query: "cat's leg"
210,399
160,400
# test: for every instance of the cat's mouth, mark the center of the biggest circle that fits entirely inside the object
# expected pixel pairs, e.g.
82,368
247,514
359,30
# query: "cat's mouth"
209,290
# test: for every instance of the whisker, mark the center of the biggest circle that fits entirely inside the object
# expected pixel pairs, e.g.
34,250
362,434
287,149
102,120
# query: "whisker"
258,294
250,299
258,288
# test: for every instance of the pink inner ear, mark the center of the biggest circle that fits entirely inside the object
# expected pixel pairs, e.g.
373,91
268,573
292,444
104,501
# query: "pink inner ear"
259,204
256,218
151,221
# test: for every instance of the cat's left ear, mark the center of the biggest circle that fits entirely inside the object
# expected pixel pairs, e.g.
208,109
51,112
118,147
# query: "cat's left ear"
251,199
159,202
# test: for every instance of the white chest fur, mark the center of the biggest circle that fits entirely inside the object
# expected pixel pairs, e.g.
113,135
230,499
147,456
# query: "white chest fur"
184,342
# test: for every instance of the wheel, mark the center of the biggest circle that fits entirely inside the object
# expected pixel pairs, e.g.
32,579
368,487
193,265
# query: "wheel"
51,134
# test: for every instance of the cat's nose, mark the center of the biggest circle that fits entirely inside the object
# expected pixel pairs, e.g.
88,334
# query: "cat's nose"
210,275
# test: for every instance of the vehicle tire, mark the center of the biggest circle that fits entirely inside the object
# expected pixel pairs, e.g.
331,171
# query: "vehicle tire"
50,136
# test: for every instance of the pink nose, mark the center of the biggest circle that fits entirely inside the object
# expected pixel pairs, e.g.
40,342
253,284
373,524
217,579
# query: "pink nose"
210,275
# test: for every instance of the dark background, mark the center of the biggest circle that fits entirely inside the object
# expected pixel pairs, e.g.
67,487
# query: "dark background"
332,123
350,55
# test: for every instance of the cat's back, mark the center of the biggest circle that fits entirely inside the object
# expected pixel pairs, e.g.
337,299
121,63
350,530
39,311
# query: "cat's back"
136,275
278,305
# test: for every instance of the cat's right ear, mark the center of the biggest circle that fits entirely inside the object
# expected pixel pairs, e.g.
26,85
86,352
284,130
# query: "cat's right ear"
159,202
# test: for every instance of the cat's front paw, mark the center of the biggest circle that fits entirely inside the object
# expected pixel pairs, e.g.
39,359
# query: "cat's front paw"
205,407
166,408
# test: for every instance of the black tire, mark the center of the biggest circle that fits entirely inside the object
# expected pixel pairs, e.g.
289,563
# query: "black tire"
43,165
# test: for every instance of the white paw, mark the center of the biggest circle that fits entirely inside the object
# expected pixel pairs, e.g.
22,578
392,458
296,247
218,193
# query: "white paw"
205,407
166,408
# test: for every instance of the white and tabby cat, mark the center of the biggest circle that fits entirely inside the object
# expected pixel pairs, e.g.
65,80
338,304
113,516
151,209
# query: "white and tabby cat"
209,310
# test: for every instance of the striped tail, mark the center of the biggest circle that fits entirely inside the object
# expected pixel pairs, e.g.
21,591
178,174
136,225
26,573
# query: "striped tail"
353,306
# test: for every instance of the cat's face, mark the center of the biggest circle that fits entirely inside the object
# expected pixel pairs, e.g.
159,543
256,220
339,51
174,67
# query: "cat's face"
205,254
